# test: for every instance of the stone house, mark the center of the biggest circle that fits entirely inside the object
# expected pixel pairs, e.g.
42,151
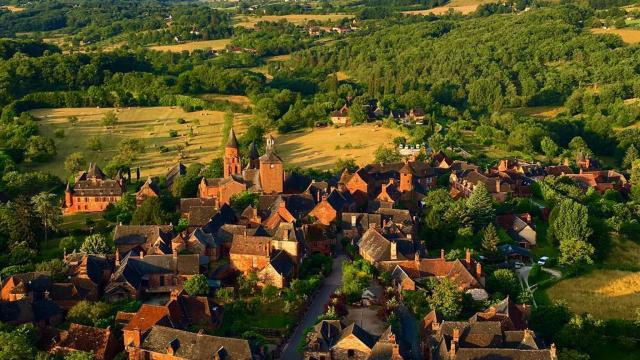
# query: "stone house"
92,191
101,343
149,189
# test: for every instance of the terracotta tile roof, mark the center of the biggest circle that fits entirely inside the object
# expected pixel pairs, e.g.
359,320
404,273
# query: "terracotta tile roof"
146,317
187,203
86,338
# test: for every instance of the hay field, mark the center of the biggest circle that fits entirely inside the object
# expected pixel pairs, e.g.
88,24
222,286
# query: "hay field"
317,148
547,112
606,294
151,125
630,36
13,8
217,44
236,99
251,21
463,6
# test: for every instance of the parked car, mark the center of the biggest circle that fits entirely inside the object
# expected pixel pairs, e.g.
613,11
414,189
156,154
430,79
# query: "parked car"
518,264
543,260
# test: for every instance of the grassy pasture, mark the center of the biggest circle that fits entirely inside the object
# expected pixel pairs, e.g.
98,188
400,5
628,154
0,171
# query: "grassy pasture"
317,148
630,36
251,21
217,44
606,294
152,125
546,112
463,6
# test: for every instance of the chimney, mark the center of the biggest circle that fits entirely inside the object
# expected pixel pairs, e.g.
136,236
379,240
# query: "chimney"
467,257
141,254
135,338
452,350
174,294
456,336
318,195
117,258
200,332
552,352
174,253
442,254
416,257
354,219
394,250
478,270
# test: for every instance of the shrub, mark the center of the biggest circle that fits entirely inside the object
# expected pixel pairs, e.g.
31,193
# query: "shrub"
173,133
181,121
59,133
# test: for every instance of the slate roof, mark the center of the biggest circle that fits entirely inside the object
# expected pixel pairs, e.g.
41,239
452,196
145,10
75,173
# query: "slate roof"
187,203
36,281
363,220
512,316
378,247
232,141
282,263
250,245
141,234
132,268
200,215
188,345
361,334
175,171
225,215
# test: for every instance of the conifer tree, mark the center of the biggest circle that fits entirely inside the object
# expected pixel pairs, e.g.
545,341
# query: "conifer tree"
480,205
629,157
490,241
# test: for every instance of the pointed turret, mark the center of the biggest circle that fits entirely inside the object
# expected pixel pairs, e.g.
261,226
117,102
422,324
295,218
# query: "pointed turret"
232,142
254,156
231,162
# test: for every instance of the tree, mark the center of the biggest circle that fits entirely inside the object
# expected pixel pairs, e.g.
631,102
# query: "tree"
576,253
634,179
549,147
17,219
269,292
96,244
150,212
74,162
490,240
94,143
387,155
356,113
49,214
40,149
630,157
480,206
548,320
356,276
109,119
197,285
56,267
88,313
348,164
241,200
15,347
78,355
446,298
505,282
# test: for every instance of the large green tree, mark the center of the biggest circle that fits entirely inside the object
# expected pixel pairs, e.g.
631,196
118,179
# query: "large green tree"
446,298
480,206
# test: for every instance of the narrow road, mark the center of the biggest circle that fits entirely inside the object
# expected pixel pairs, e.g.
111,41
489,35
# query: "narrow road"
523,275
330,285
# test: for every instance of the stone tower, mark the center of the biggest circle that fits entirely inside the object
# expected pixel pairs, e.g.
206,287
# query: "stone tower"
271,170
232,164
406,178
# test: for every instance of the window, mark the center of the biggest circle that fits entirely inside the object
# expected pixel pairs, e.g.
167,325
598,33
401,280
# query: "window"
351,353
161,280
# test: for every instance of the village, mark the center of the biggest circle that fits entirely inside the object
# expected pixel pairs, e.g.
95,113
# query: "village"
289,253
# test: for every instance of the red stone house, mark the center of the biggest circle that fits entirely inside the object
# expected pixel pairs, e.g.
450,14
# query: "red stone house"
92,191
101,343
467,273
464,182
341,116
249,253
601,181
221,189
149,189
137,275
331,206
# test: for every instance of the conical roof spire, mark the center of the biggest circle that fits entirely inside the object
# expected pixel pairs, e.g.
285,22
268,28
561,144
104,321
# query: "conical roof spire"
232,142
253,151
